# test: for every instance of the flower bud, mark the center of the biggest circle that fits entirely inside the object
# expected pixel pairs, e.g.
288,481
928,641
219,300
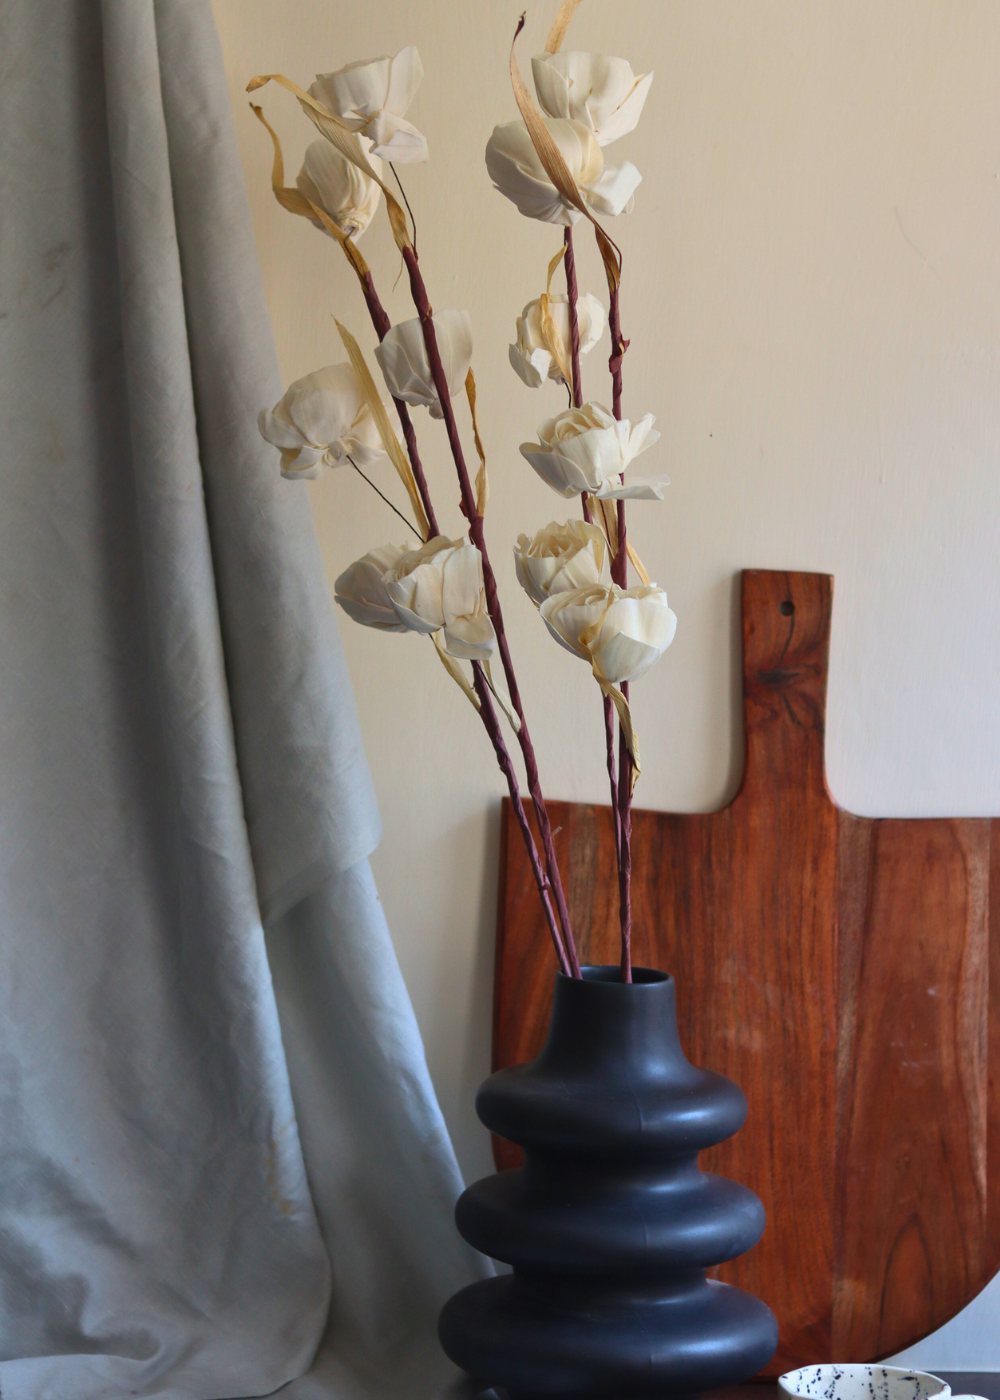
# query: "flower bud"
340,189
406,369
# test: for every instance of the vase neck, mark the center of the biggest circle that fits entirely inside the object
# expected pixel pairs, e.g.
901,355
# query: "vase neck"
600,1020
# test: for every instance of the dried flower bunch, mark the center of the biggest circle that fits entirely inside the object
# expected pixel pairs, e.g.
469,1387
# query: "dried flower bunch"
550,163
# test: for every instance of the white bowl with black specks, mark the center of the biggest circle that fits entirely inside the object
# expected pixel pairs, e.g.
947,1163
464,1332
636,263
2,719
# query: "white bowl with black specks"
834,1382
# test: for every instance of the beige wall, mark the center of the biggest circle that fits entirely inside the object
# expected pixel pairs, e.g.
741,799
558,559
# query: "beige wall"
813,295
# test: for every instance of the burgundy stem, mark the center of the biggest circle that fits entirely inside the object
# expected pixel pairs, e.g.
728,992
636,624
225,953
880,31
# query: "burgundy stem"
492,725
383,326
619,575
572,294
478,538
487,713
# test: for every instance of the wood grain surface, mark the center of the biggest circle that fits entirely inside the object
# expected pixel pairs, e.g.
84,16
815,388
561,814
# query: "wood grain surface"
845,971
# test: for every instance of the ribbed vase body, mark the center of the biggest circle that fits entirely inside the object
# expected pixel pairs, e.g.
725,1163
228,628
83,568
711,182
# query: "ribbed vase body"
610,1225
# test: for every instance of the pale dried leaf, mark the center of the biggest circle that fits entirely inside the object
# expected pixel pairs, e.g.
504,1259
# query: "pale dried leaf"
455,671
390,441
637,563
558,31
482,480
628,730
502,700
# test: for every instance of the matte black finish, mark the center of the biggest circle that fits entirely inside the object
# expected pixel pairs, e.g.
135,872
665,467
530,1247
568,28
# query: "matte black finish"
609,1225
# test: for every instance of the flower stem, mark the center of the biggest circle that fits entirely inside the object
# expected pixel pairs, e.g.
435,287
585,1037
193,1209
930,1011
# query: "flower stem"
408,523
382,324
492,724
619,575
573,296
477,536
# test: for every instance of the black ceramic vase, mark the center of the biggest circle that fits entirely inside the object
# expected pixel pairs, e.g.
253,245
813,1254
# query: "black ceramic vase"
609,1226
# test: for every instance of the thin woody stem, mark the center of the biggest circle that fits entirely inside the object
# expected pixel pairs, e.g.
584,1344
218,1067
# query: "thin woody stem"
492,725
619,575
477,536
487,714
383,326
573,296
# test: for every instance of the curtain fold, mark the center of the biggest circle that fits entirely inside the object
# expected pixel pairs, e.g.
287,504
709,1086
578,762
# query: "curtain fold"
179,752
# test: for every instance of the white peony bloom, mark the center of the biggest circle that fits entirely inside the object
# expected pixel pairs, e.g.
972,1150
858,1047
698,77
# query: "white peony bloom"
361,589
543,347
516,171
406,368
441,585
372,97
322,420
602,94
340,189
621,632
559,559
587,449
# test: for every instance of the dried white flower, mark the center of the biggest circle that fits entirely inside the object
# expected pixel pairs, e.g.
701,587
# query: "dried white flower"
340,189
601,93
543,349
406,368
559,559
372,97
588,449
440,585
322,420
362,593
517,172
621,632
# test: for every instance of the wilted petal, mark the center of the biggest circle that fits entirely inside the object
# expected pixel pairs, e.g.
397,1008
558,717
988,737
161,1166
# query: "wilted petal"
361,590
613,192
649,488
470,638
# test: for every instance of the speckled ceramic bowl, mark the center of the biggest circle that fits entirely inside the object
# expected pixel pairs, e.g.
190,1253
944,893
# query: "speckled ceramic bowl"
861,1383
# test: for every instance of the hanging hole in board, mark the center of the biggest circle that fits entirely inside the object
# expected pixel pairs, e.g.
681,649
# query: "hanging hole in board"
787,608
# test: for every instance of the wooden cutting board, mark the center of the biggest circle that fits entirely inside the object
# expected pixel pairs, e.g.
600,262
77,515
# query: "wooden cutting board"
844,971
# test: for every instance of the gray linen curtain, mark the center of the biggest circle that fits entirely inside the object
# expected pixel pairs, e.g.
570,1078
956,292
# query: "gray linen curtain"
218,1146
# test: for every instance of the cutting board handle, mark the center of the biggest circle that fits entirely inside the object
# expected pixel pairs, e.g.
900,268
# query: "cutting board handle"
786,649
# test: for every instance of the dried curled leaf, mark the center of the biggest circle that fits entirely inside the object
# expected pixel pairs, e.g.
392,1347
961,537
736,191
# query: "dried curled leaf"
482,480
390,441
558,31
455,671
557,169
296,202
502,700
336,132
628,730
553,341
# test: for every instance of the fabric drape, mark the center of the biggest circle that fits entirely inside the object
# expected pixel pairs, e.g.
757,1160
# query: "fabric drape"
217,1147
